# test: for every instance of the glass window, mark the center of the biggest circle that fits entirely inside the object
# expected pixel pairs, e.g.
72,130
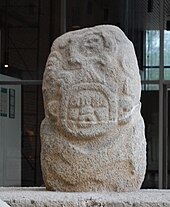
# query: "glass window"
166,48
152,48
150,73
167,73
150,87
151,55
166,55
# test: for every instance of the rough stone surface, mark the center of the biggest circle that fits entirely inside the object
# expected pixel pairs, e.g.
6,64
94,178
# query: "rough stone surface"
39,197
93,133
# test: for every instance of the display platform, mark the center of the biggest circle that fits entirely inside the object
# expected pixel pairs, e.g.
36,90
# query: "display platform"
39,197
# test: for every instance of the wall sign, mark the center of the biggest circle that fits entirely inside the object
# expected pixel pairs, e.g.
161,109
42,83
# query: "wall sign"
12,103
3,102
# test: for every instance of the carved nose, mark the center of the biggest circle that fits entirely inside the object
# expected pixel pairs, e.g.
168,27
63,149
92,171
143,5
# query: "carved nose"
72,59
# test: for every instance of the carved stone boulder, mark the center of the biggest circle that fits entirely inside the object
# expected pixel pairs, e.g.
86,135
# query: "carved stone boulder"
92,136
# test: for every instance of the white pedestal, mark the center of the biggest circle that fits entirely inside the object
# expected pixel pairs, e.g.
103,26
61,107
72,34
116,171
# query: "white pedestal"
39,197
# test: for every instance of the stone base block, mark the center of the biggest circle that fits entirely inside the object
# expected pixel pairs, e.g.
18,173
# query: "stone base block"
39,197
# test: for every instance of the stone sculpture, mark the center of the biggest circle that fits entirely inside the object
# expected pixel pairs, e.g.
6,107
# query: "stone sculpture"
93,133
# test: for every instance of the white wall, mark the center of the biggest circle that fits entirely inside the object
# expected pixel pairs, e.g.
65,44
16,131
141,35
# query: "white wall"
10,140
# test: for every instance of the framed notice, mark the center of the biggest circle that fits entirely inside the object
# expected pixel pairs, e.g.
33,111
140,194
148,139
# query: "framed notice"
3,102
12,103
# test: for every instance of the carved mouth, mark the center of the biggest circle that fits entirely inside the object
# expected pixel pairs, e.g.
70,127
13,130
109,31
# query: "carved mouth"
88,110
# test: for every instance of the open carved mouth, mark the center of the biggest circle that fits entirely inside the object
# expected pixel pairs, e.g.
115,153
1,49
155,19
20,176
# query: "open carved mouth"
88,109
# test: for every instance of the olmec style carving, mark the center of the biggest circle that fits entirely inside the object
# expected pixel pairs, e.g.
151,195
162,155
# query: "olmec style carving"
87,110
93,134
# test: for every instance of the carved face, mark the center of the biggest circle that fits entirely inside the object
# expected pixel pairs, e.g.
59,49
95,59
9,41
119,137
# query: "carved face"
87,99
91,45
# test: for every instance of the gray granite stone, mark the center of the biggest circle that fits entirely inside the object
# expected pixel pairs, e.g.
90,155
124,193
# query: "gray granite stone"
93,134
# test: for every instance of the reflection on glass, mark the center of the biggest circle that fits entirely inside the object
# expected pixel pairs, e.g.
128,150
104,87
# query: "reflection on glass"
151,55
167,73
166,48
152,48
150,74
150,87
